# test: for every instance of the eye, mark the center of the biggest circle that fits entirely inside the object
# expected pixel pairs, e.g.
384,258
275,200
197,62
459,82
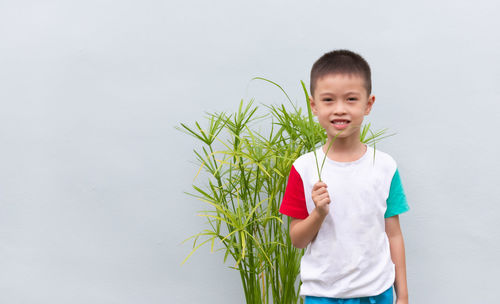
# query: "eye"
352,99
327,99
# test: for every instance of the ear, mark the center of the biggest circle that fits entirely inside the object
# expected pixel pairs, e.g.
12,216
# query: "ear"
312,103
369,105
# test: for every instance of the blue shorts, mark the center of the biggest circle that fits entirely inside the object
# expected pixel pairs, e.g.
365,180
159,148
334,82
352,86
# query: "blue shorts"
383,298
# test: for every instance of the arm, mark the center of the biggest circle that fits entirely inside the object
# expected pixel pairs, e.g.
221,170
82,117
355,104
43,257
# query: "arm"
393,230
303,231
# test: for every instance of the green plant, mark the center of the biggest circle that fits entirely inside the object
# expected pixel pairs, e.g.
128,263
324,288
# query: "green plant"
246,170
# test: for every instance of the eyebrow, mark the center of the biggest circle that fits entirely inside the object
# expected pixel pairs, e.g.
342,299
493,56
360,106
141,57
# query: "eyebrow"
347,93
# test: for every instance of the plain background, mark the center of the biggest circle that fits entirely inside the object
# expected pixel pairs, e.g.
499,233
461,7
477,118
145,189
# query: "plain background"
92,171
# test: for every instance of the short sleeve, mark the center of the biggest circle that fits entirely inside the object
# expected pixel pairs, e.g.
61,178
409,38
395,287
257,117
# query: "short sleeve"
294,201
396,202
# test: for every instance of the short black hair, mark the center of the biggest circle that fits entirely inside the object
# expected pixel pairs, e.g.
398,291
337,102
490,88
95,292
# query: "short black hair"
341,62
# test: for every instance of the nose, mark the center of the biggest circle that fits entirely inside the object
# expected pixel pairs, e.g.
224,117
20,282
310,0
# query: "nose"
339,108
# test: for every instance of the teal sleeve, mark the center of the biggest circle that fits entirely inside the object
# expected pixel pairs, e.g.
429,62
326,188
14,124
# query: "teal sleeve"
396,202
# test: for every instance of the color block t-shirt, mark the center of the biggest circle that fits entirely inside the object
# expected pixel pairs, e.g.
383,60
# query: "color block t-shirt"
350,256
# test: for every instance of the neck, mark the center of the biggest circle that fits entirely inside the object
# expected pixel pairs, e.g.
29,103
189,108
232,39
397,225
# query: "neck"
344,149
348,144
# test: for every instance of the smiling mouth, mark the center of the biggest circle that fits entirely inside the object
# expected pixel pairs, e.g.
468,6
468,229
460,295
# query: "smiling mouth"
340,122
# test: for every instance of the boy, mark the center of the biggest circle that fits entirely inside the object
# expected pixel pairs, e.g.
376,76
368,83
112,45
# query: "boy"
348,221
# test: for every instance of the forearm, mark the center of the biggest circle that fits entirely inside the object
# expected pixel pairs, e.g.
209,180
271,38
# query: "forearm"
398,258
302,232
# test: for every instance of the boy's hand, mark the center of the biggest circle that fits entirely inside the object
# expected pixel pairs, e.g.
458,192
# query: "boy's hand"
321,198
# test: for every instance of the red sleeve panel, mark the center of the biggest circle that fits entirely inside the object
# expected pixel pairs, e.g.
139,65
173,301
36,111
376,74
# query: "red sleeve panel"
294,201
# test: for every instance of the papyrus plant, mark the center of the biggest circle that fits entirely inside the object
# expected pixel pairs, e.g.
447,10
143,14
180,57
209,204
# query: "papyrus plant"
244,160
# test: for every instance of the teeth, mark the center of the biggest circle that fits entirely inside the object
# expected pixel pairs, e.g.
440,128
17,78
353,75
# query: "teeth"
340,122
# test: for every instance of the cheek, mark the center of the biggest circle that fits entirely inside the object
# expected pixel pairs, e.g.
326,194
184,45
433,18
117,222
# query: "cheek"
360,112
325,118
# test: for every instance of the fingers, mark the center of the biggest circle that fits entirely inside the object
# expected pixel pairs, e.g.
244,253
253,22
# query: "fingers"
319,185
320,194
322,199
319,189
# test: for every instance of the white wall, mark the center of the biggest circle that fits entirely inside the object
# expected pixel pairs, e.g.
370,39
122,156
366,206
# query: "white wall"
92,171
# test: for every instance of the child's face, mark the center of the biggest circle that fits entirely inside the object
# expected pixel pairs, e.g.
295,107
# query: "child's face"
340,102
